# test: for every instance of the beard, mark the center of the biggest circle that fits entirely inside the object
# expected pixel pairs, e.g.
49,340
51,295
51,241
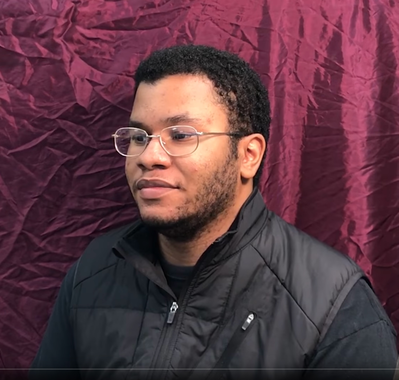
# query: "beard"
216,194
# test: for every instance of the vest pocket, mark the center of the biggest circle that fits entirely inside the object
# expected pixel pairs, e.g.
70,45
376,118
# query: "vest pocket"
238,337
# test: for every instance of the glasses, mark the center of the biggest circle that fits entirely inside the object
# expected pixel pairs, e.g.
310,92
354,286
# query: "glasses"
176,141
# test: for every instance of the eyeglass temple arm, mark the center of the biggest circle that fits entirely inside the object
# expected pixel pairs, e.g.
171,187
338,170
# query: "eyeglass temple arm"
220,133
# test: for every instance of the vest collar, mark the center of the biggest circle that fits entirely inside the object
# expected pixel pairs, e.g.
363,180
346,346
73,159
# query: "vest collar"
139,245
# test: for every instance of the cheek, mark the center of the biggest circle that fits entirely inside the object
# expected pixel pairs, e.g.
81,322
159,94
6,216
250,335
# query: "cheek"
195,168
196,173
129,170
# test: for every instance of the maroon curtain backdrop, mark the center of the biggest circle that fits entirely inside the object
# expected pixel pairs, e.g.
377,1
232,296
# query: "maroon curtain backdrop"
66,84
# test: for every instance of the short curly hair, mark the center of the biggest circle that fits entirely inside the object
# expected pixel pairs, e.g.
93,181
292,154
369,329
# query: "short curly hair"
239,87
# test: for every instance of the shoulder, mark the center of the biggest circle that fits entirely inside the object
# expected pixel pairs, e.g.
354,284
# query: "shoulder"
360,310
316,276
298,258
295,245
99,253
361,335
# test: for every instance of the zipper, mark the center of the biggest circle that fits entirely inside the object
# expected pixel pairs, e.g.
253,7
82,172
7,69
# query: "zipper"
165,345
172,313
248,321
169,338
234,343
169,322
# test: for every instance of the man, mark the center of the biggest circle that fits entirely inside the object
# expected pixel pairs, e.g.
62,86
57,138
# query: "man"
209,283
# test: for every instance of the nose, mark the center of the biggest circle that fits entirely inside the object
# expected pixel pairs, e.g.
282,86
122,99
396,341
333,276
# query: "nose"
154,156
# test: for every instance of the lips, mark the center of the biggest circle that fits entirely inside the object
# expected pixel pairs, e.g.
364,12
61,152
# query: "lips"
151,183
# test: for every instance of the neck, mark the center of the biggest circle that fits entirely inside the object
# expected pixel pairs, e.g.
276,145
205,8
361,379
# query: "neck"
188,253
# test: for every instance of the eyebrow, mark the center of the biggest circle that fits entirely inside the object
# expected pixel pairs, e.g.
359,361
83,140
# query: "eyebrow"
138,124
181,119
172,120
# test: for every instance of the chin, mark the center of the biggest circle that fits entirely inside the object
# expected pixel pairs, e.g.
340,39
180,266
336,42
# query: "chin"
157,215
161,225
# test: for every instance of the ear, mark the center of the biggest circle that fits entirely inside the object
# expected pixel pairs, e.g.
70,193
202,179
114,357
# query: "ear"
251,150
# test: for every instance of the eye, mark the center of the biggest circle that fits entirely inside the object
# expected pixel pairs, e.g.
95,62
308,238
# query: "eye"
181,135
138,138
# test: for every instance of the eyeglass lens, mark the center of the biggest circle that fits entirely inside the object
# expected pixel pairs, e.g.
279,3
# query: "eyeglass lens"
176,140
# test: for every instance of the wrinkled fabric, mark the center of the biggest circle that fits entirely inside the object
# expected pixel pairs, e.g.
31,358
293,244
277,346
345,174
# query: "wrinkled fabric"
66,70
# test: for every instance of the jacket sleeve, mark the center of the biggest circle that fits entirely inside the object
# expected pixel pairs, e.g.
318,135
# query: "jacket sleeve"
360,343
56,350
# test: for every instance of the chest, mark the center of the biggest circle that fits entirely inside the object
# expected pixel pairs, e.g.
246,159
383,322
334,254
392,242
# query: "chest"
226,319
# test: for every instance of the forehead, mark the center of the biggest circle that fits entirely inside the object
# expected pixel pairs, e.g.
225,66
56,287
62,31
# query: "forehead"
192,95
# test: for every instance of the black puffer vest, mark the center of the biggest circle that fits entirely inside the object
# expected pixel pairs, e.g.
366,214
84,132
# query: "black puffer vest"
262,296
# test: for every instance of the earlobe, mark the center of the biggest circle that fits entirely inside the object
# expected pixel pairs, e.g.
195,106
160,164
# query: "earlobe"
252,150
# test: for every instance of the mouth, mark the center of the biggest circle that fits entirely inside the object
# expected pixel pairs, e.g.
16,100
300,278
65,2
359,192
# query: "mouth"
153,183
154,188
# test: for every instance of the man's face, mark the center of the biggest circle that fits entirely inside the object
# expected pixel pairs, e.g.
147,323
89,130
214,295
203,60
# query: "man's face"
199,187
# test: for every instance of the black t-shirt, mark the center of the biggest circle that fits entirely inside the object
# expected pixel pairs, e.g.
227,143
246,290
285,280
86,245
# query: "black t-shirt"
175,275
360,336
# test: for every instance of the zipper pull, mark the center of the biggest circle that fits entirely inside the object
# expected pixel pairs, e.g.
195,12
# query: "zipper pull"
248,321
172,312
